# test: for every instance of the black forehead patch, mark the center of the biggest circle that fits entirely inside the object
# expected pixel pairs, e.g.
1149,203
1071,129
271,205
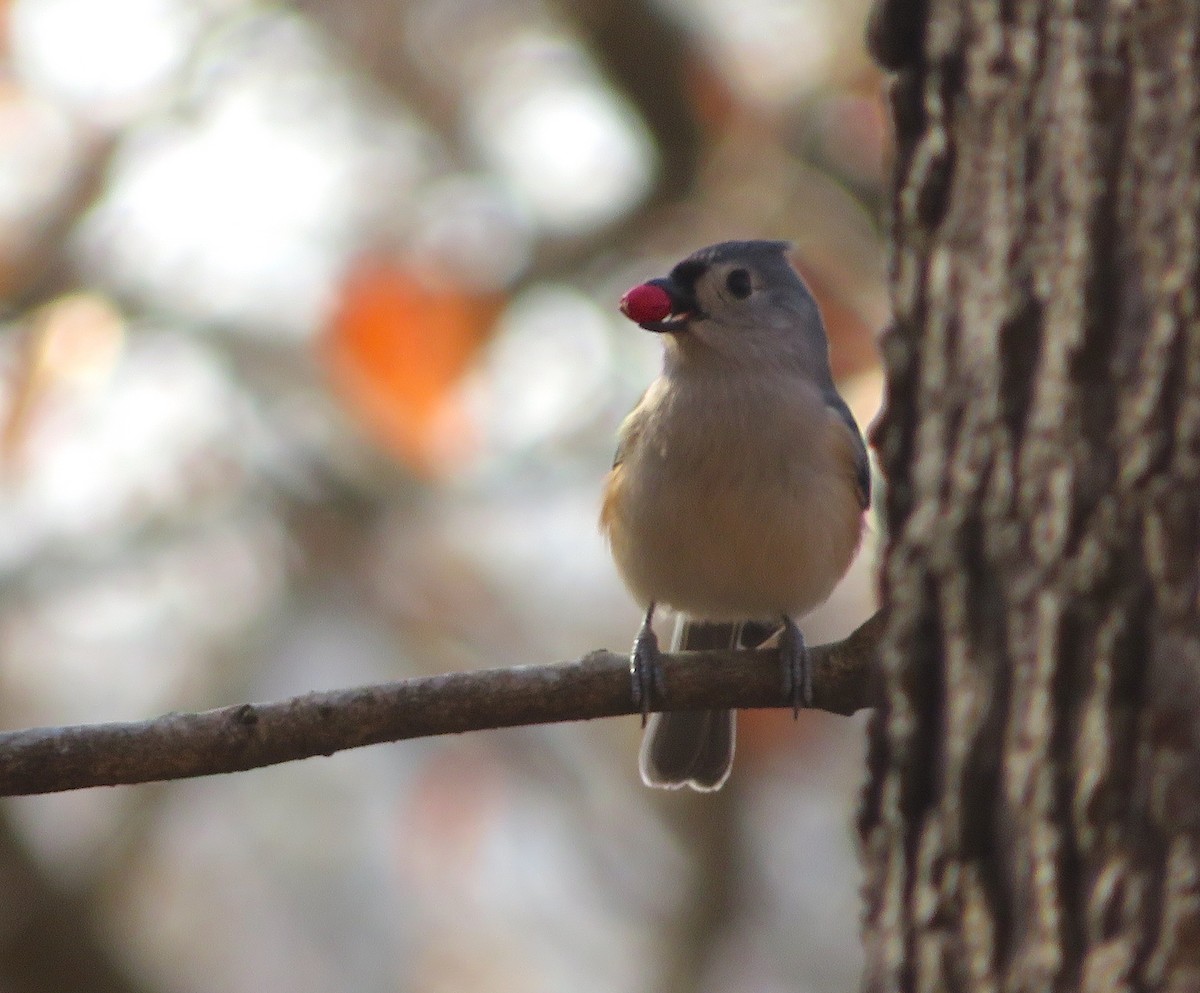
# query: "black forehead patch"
742,252
685,274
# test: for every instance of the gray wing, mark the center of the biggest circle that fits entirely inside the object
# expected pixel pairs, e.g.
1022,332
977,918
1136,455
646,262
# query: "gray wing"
862,464
619,454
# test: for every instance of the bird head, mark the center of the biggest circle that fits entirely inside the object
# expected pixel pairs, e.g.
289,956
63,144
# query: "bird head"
737,301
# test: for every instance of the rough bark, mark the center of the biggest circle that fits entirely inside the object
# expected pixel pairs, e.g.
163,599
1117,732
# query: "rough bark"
1032,818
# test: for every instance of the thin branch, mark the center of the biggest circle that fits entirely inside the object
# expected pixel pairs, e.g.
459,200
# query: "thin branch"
250,736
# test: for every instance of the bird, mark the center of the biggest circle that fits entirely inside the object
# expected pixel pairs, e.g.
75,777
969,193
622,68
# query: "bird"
738,493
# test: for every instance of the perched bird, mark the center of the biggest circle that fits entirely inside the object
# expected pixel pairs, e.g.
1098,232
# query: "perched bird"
739,485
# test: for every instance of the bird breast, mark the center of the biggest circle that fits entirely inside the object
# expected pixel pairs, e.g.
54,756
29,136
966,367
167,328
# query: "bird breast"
741,503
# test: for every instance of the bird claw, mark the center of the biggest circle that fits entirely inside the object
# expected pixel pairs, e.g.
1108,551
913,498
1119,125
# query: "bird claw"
645,668
797,671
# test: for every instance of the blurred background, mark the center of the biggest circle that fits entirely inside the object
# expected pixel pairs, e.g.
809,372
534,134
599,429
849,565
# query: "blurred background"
310,369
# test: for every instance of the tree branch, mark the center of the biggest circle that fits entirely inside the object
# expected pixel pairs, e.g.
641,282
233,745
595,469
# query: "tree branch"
250,736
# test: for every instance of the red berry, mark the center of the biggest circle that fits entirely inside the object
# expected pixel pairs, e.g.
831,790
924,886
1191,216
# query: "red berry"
646,303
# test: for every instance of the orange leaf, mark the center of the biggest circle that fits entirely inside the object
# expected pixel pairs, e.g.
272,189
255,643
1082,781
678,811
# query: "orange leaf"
396,350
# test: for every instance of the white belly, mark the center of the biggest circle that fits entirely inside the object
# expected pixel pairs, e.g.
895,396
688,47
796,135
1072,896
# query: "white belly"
739,555
765,532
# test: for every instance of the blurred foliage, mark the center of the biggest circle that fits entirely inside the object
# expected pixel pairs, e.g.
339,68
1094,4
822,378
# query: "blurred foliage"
309,373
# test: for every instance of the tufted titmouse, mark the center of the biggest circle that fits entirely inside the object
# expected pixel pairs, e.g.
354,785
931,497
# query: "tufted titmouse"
739,485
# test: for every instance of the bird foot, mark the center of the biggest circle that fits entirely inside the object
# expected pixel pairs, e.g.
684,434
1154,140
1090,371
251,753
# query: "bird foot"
645,668
793,654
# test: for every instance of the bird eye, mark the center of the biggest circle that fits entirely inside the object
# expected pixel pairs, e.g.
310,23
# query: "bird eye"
738,283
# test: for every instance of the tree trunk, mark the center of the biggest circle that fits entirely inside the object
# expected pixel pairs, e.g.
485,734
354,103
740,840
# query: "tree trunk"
1032,819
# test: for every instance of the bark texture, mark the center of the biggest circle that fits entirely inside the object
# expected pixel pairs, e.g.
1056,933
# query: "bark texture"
1032,817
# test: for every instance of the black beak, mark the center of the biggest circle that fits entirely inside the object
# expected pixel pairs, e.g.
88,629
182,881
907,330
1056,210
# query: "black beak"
683,307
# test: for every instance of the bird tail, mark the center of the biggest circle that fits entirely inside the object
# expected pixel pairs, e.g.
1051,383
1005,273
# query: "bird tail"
694,747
